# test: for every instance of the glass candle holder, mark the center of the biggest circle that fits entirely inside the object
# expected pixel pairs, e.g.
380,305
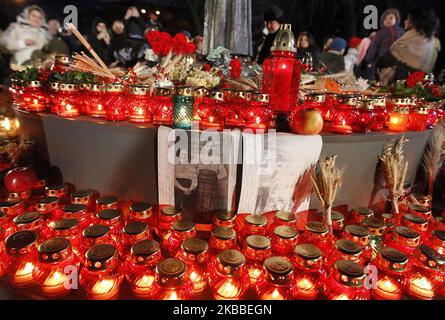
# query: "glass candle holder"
433,114
16,91
399,119
79,212
222,239
103,273
12,209
224,218
167,216
53,96
346,282
68,229
416,223
345,250
180,231
275,282
403,239
138,106
83,96
380,112
338,224
183,108
19,258
317,100
162,107
95,100
112,218
210,111
4,227
258,113
30,221
358,215
140,269
34,97
171,282
390,222
49,208
284,218
59,191
104,203
316,233
344,114
140,211
200,95
309,272
132,233
256,251
85,197
66,100
365,117
228,278
93,235
116,102
61,64
392,265
194,252
235,102
421,211
284,240
362,237
426,274
52,271
437,241
418,119
254,225
377,230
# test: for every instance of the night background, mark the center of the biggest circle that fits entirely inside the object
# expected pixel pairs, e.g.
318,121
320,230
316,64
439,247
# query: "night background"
322,18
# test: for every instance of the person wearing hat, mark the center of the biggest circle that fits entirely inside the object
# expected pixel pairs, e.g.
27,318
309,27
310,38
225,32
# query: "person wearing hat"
351,56
273,19
333,58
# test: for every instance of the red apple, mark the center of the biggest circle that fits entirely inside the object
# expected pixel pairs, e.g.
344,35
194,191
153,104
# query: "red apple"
307,122
20,179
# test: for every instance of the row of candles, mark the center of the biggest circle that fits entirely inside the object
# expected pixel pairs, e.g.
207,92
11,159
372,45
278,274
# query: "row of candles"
110,242
347,113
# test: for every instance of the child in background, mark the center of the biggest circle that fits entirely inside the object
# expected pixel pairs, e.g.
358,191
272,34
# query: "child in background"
388,34
351,56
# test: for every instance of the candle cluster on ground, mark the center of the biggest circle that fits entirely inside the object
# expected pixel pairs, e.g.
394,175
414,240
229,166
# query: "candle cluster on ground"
53,234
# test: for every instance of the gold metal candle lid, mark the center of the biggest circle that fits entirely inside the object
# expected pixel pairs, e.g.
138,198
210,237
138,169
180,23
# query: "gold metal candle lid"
392,259
195,246
100,256
171,211
348,99
316,97
138,90
74,208
364,211
65,224
430,257
366,104
376,226
348,247
32,84
256,220
419,208
95,231
308,252
439,234
224,215
401,110
337,216
357,231
278,267
145,248
217,95
20,242
224,233
82,196
164,91
141,207
183,226
107,200
421,110
56,190
134,228
231,258
415,218
285,216
171,268
109,214
96,87
49,203
316,227
62,60
185,91
258,242
261,97
27,217
200,92
54,250
406,232
286,232
351,273
284,40
68,87
115,87
55,86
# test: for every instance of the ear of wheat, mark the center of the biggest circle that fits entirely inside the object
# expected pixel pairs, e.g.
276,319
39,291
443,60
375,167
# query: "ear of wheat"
326,181
394,167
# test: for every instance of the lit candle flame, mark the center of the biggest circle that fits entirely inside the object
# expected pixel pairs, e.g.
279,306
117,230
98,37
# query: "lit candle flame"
341,297
145,282
275,295
228,290
55,279
6,124
103,286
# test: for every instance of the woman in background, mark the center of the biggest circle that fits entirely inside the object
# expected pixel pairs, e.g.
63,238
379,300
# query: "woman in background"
306,46
100,40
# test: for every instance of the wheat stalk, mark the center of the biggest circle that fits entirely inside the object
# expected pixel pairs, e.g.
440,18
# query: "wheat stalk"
326,181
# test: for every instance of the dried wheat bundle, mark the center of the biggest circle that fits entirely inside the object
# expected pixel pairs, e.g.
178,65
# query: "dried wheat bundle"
326,181
394,167
433,156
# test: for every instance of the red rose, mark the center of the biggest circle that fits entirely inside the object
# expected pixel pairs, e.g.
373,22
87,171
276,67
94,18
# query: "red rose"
235,68
434,89
415,78
206,67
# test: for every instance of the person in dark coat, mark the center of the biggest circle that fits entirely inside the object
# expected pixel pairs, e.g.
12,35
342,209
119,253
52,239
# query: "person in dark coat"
306,46
100,40
333,59
274,18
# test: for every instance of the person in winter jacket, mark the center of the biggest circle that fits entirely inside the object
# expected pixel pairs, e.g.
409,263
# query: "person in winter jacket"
389,33
351,56
100,40
28,34
333,58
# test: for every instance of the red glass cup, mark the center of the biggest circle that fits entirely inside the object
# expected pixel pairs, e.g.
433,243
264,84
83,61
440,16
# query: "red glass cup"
228,277
140,211
399,119
222,239
210,111
93,235
34,97
111,218
403,239
55,265
79,212
167,216
421,211
256,250
59,191
116,102
12,209
49,208
85,197
308,272
338,224
344,114
132,233
19,258
141,267
437,241
109,202
346,282
418,119
362,237
284,218
316,233
254,225
284,241
275,281
391,265
66,100
68,229
102,273
364,120
161,105
417,223
224,218
317,101
345,250
235,102
139,103
258,113
358,215
30,221
194,252
180,231
95,100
